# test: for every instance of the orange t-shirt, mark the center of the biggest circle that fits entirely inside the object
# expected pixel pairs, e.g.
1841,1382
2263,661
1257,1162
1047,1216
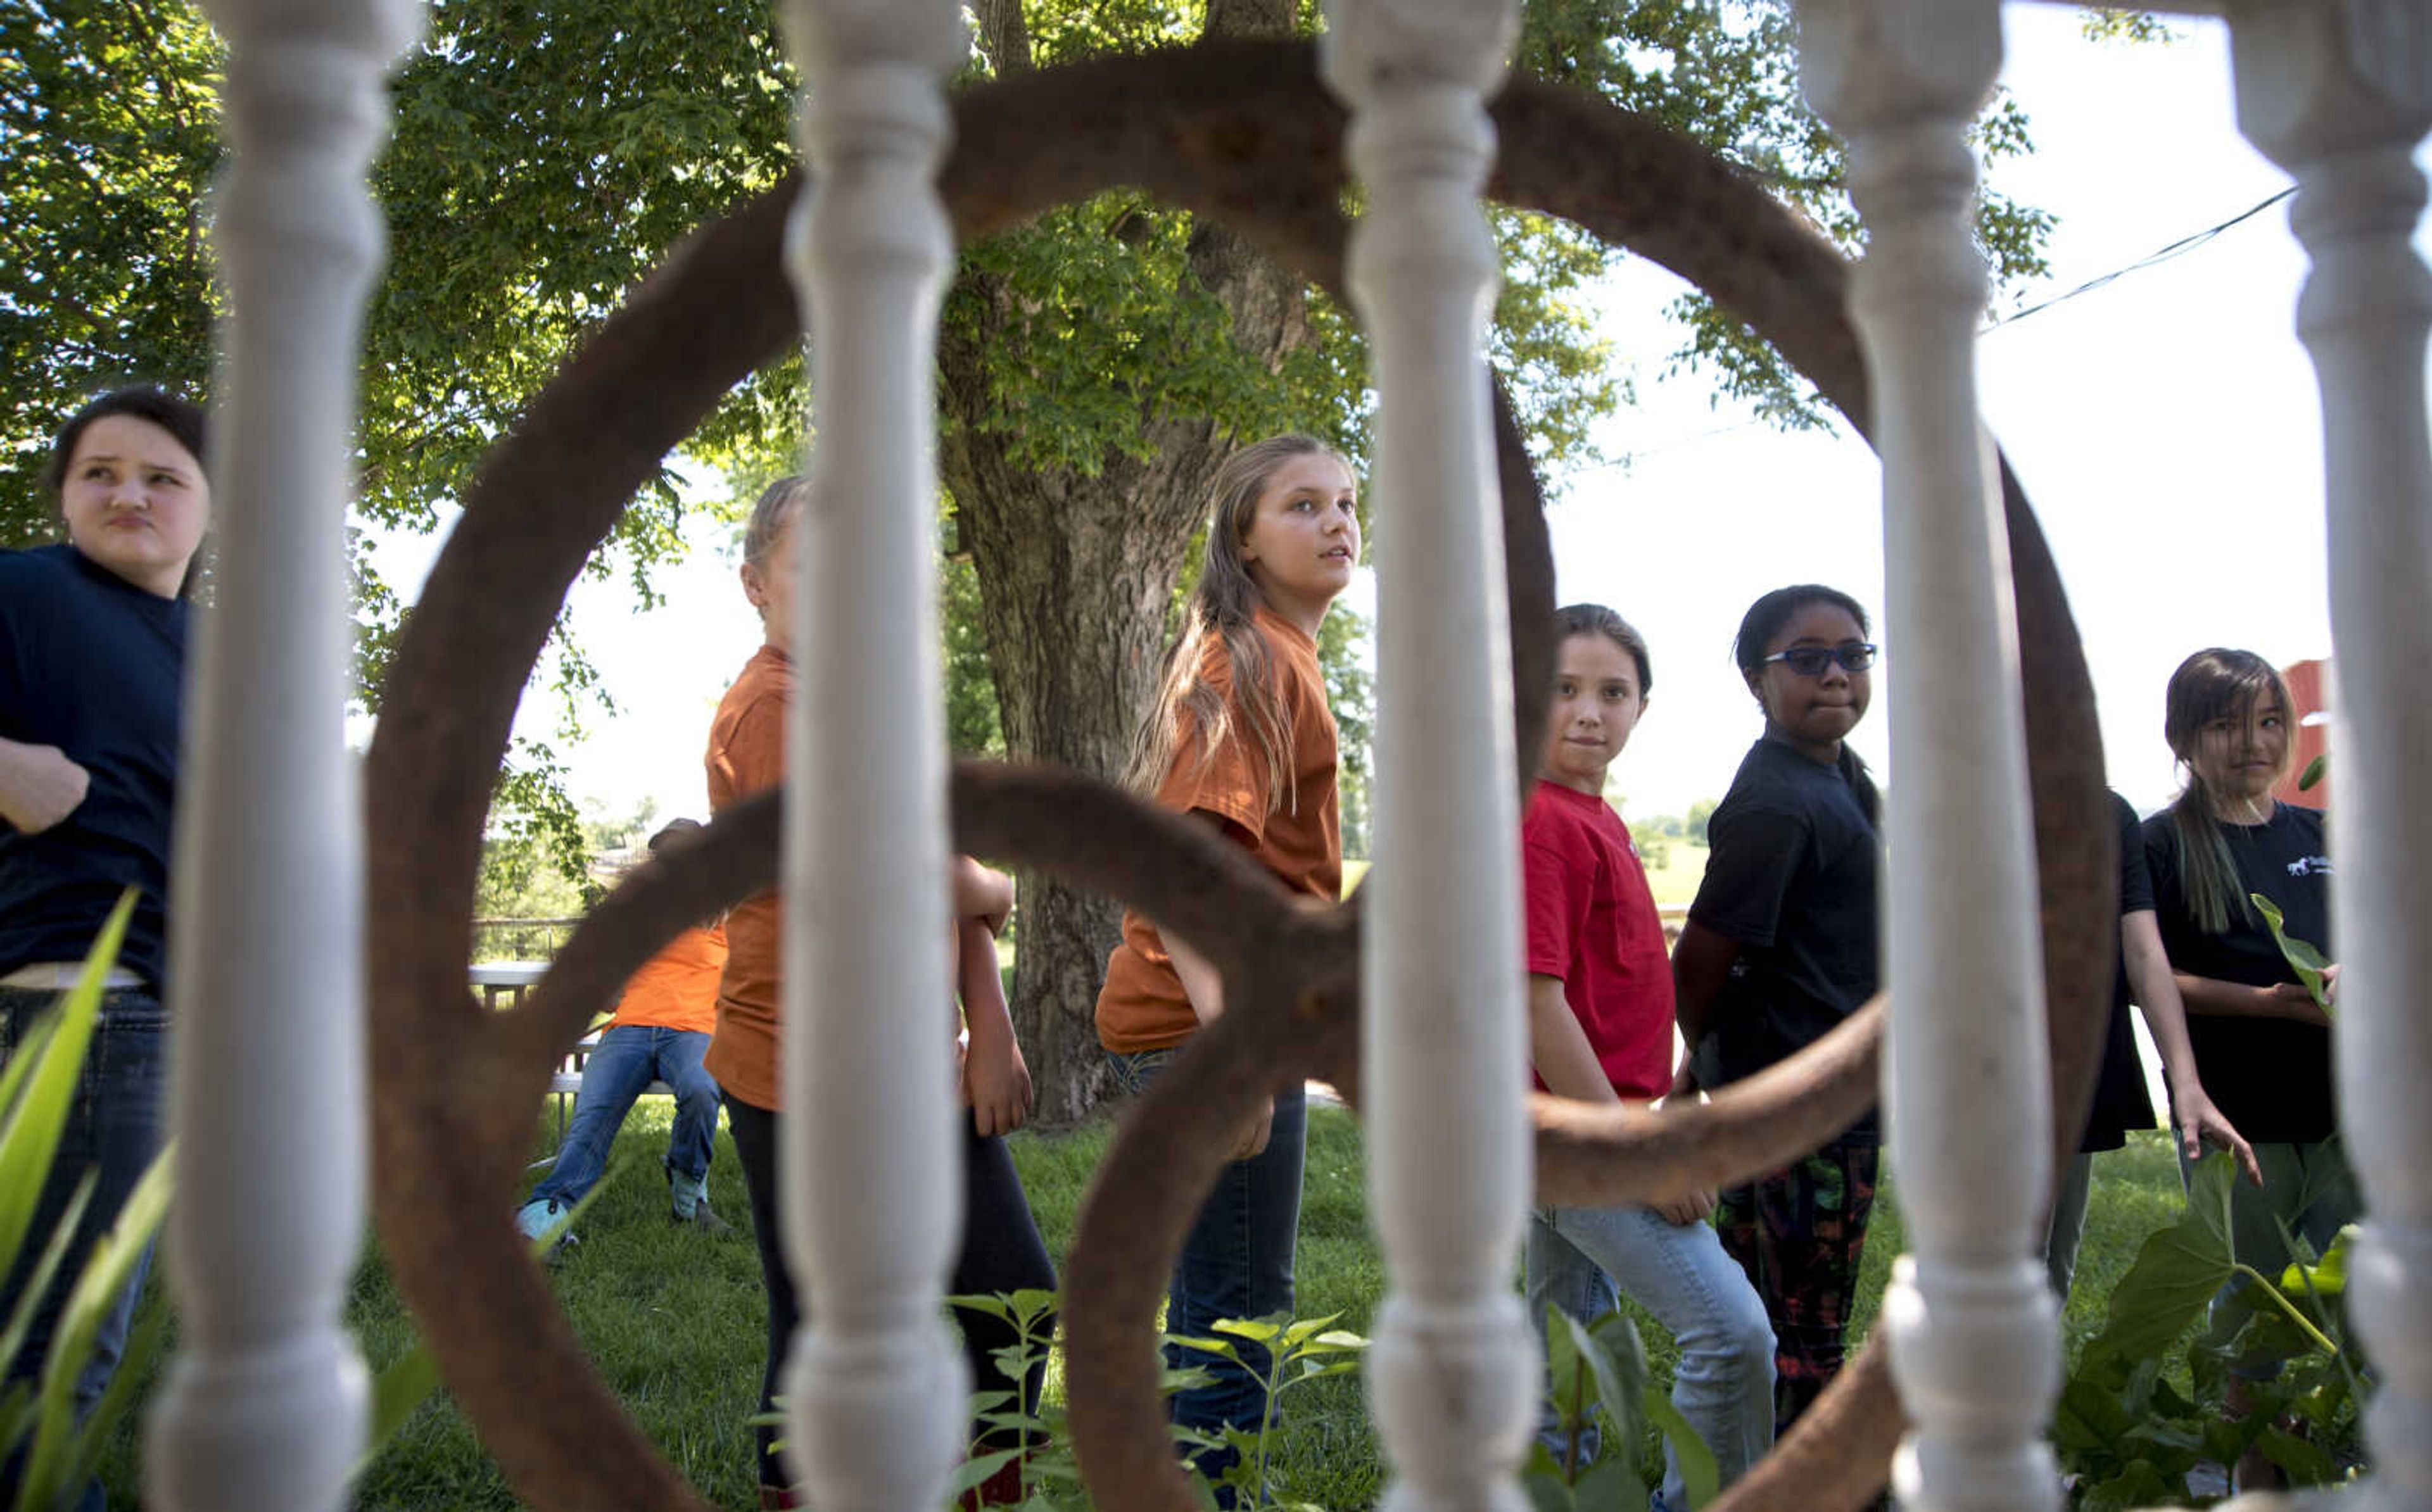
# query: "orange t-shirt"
746,752
1143,1005
676,988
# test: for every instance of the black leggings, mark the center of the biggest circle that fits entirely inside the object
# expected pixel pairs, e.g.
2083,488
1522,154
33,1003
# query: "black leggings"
1002,1252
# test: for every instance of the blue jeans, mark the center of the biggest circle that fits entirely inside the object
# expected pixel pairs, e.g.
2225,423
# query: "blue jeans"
627,1059
1238,1262
114,1127
1575,1259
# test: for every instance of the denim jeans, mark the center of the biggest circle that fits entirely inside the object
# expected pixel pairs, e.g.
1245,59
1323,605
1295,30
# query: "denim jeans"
114,1126
2310,1188
1236,1263
627,1059
1577,1256
1002,1250
2066,1230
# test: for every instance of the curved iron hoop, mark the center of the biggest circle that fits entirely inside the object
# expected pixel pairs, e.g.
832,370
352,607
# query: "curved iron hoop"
1197,128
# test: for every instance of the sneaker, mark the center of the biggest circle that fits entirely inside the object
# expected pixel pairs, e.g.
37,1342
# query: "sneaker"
704,1220
534,1220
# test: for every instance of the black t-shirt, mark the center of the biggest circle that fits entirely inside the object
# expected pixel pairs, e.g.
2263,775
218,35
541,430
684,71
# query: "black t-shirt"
1791,881
93,665
2120,1101
2271,1077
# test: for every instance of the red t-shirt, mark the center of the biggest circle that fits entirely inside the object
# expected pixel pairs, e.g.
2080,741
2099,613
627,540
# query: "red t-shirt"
1591,923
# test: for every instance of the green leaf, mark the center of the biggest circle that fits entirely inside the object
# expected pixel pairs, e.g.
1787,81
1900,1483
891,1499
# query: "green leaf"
400,1389
2311,777
2307,1464
96,1291
1700,1478
969,1474
2303,959
2174,1275
2329,1277
1224,1348
1614,1356
1256,1330
1611,1481
31,1136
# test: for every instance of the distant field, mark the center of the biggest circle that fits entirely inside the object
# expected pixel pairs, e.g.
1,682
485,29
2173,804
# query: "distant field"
1674,882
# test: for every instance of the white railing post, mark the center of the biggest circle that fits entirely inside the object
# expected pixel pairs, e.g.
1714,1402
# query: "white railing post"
2339,94
1443,1029
869,1164
1967,1077
266,1406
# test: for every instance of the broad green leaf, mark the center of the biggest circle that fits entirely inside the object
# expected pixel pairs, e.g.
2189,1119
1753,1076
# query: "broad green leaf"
2174,1275
1256,1330
1612,1480
2307,1464
978,1467
2303,959
144,1339
1224,1348
2327,1278
1613,1354
1700,1478
2311,777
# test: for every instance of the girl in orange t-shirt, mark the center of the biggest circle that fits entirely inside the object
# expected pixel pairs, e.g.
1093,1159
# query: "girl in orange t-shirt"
1242,737
1002,1250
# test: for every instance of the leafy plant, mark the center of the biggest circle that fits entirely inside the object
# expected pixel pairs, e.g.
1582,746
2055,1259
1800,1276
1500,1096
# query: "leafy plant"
37,1086
2130,1436
1298,1350
2303,958
37,1089
1598,1391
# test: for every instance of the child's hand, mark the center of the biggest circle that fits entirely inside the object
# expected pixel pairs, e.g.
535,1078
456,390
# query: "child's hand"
2200,1123
40,786
1690,1209
996,1084
1252,1141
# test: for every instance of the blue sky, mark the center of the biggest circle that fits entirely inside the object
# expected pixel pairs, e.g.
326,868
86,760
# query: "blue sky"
2165,424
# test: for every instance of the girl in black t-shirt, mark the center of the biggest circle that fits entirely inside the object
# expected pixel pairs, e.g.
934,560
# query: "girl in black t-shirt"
1779,947
2262,1045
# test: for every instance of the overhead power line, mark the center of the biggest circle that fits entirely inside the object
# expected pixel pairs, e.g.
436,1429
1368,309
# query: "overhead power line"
2183,246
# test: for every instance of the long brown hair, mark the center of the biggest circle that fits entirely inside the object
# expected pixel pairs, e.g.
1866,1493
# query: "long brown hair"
2215,683
1223,605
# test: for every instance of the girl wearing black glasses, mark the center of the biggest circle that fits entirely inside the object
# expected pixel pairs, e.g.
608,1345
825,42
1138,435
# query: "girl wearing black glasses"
1779,947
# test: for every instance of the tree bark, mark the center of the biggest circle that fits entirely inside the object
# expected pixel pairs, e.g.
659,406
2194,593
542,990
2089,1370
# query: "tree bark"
1076,574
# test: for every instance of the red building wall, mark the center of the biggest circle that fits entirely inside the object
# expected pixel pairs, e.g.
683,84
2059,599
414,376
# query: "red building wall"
2309,725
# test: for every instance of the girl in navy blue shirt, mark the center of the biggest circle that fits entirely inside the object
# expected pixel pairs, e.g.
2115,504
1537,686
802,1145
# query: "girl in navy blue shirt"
93,643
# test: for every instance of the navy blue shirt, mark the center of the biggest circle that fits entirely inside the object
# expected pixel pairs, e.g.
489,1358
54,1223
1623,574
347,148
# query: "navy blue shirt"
2271,1077
1791,881
94,666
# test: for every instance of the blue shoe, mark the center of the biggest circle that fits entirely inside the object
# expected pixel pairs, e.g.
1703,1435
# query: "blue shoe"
538,1220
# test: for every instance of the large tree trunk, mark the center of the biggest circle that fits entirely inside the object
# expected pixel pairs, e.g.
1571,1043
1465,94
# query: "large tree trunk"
1076,574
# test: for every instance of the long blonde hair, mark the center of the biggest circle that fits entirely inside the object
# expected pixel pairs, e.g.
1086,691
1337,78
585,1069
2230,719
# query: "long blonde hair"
2212,684
1223,605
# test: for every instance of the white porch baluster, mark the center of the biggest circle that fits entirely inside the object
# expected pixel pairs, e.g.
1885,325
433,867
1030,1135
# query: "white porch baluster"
1975,1348
2340,95
264,1408
1443,1033
870,1164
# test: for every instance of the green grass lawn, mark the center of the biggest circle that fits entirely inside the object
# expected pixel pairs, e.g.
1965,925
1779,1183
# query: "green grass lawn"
674,1318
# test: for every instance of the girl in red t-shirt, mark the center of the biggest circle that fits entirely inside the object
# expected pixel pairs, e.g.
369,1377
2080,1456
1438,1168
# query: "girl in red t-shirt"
1600,1030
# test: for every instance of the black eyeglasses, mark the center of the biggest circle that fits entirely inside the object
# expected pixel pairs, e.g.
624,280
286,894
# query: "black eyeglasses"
1811,661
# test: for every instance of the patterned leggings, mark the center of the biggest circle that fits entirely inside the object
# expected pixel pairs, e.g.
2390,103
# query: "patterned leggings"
1800,1234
